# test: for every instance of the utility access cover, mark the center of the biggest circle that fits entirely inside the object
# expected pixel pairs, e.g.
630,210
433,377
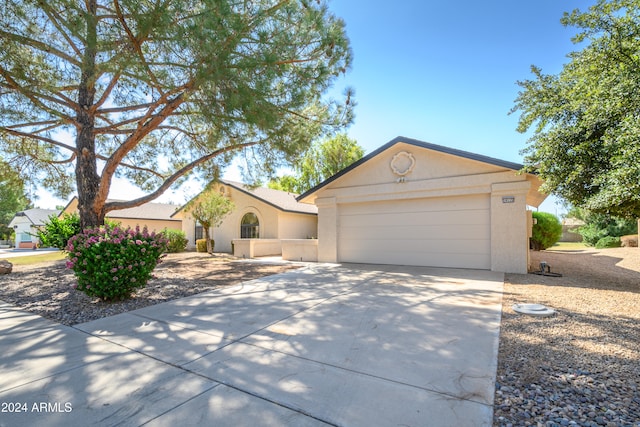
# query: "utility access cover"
533,309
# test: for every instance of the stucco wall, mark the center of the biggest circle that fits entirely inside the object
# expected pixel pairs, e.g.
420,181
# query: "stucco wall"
509,229
428,165
300,250
151,224
297,226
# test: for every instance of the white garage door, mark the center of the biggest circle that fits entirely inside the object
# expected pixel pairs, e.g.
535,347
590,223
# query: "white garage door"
439,232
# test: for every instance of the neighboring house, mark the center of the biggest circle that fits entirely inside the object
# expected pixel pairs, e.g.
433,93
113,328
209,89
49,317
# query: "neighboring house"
415,203
263,215
569,230
155,216
26,224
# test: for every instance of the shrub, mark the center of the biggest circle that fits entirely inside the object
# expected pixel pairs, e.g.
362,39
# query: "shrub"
111,262
599,226
547,230
591,234
608,242
57,231
201,245
177,240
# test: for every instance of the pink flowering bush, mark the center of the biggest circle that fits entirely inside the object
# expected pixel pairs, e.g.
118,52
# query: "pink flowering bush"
111,262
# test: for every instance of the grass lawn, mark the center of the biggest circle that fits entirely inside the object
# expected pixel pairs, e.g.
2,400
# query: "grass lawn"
569,246
35,259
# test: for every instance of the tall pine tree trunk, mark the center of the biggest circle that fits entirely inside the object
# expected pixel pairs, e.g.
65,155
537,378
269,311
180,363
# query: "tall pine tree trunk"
87,178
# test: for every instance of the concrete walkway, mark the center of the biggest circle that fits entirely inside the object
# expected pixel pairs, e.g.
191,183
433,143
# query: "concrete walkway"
319,346
12,253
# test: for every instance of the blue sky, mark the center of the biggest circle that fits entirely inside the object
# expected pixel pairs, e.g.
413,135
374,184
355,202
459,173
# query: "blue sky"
442,72
446,72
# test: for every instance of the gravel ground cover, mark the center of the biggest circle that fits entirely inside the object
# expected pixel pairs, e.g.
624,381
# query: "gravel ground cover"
45,289
580,367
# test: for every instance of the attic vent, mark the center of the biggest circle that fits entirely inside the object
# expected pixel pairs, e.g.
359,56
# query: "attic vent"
222,190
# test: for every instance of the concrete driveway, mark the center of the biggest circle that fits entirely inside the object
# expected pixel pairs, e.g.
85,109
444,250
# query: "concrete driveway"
320,346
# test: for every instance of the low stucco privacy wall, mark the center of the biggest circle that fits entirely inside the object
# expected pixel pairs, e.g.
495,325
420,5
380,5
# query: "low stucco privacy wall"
251,248
305,250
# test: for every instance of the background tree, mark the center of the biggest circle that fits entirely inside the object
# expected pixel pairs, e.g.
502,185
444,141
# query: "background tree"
585,120
323,160
598,226
58,230
209,209
155,91
12,198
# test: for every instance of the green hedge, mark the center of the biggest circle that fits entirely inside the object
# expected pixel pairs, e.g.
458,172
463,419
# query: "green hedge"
201,245
547,230
608,242
177,240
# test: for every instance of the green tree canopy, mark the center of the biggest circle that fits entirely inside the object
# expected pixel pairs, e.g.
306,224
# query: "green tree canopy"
323,160
156,90
209,209
58,230
597,226
585,121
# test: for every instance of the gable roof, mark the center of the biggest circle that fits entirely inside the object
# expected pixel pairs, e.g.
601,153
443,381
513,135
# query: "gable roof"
37,216
281,200
158,211
416,143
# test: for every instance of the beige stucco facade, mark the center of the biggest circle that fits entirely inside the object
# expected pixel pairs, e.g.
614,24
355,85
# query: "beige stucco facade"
414,203
275,221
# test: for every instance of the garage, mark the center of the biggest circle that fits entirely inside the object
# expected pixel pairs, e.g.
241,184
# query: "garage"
416,203
444,231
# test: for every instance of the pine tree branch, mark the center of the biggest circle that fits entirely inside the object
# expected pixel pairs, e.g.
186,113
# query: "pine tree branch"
126,108
35,98
38,45
56,19
136,42
110,206
146,125
39,138
105,95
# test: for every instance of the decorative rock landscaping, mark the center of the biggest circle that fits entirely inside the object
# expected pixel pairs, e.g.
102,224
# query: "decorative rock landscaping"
580,367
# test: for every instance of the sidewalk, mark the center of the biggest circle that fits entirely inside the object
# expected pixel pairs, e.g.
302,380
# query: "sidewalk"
13,252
